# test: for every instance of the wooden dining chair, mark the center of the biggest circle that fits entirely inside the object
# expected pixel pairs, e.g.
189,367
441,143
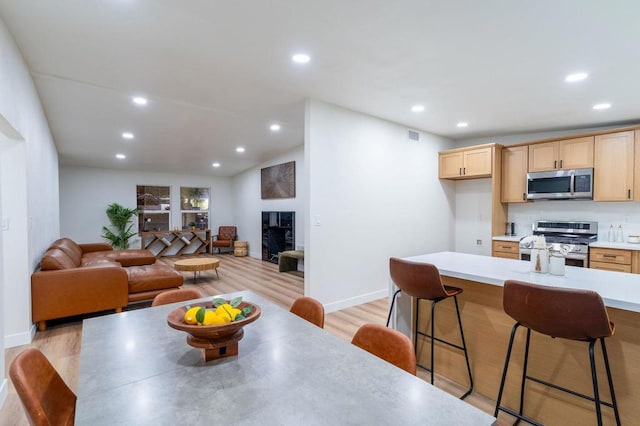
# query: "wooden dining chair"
177,295
309,309
388,344
46,398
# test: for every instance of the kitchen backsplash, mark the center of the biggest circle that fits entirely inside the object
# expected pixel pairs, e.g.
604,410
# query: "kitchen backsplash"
626,214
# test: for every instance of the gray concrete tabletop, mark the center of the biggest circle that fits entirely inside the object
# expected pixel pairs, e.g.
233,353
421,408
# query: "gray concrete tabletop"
136,370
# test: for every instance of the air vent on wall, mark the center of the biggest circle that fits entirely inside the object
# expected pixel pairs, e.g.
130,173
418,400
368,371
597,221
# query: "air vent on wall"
413,135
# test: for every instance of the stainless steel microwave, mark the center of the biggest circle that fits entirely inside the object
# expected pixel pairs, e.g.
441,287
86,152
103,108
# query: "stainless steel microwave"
560,185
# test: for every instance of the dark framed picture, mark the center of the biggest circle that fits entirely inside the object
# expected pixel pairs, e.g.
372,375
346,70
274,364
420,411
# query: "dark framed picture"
278,181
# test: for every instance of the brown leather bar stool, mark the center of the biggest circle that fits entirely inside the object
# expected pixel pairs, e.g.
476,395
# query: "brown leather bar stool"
557,312
422,281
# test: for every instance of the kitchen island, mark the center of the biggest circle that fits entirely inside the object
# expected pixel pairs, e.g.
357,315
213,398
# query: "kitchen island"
487,328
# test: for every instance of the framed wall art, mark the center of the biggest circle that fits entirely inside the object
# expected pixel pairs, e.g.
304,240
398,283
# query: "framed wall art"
278,181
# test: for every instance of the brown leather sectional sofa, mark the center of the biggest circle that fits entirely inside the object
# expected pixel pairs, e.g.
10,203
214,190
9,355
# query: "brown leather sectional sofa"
76,279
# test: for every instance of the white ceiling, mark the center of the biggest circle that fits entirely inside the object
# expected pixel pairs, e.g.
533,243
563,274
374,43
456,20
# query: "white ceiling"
217,73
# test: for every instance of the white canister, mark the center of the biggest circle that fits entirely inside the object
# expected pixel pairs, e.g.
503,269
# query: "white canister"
539,261
556,265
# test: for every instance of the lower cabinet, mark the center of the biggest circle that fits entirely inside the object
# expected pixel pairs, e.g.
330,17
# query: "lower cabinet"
614,260
506,249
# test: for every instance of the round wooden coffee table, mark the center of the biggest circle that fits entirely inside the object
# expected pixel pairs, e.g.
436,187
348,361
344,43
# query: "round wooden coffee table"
196,265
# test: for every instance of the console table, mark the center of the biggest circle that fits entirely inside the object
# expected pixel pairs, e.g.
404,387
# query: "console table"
175,243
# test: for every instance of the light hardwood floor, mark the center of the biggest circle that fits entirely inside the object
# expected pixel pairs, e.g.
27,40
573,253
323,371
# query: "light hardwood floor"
62,339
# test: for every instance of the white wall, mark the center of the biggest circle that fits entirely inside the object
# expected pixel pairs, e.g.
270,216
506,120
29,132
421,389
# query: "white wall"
22,121
473,216
15,260
86,192
248,206
373,194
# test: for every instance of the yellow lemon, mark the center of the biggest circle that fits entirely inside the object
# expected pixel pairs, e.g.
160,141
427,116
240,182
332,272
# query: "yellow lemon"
211,318
234,313
224,311
190,315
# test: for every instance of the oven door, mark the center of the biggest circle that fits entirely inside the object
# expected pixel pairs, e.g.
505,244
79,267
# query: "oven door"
572,259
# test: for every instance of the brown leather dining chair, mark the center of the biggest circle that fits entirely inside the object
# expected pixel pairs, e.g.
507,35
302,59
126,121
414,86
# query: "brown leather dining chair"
388,344
177,295
309,309
422,281
559,313
46,398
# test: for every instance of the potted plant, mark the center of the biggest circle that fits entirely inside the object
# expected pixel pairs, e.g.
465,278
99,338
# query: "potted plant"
192,224
121,228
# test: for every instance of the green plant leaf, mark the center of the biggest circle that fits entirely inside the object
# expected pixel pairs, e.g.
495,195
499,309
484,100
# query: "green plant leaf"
217,301
200,315
239,317
236,301
247,310
121,231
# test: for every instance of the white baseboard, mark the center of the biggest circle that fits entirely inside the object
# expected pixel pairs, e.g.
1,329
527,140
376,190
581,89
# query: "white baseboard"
19,339
354,301
3,391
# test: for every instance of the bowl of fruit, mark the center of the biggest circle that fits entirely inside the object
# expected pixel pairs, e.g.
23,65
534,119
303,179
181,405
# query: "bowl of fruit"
216,326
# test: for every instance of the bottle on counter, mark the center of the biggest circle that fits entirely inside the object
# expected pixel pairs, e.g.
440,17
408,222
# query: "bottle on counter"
611,237
619,235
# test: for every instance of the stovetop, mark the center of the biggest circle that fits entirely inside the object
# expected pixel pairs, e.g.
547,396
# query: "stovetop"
570,236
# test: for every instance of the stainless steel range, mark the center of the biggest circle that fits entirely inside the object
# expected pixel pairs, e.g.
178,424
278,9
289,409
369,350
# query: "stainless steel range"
574,237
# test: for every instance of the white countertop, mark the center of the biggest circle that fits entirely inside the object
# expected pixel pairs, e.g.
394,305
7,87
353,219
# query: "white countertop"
617,289
619,246
513,238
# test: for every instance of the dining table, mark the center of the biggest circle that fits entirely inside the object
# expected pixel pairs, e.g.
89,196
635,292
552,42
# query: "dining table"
136,370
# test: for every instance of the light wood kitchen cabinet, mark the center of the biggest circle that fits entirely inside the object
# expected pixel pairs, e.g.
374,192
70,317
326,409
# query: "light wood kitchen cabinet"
514,174
465,163
574,153
614,259
613,167
506,249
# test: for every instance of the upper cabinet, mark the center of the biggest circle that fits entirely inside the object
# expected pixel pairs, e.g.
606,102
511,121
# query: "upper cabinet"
613,167
566,154
465,163
514,174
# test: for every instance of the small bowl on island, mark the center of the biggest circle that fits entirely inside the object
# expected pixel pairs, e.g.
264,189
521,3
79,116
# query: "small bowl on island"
633,239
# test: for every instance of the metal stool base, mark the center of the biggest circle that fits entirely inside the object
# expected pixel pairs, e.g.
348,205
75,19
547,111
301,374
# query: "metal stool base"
434,339
594,377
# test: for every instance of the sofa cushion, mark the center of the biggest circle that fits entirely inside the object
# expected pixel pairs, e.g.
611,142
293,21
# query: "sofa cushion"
132,257
56,259
70,247
152,277
128,257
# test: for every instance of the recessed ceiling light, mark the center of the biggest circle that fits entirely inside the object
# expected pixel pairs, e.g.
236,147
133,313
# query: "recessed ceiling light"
139,100
274,127
239,149
578,76
300,58
462,124
603,105
121,156
417,108
216,164
127,135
